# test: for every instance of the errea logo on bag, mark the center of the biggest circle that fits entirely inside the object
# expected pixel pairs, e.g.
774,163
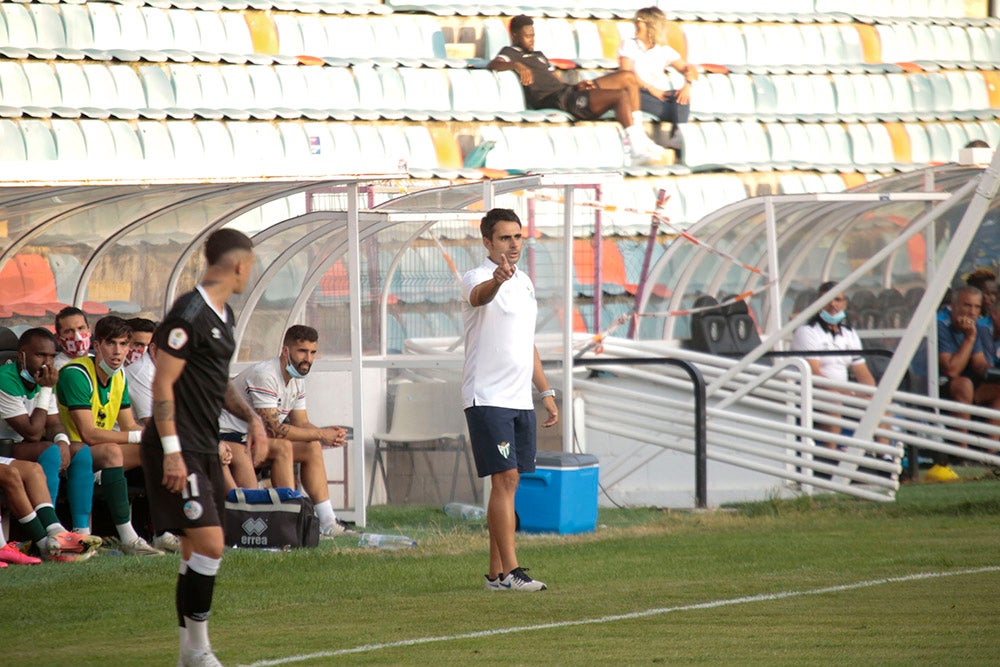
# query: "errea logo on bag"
253,532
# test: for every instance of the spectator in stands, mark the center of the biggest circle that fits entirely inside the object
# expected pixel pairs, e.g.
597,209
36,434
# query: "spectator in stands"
276,390
30,417
664,75
587,100
828,330
93,397
73,335
962,359
24,486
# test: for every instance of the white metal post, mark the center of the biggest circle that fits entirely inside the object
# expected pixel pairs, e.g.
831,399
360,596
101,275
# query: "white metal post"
566,418
357,350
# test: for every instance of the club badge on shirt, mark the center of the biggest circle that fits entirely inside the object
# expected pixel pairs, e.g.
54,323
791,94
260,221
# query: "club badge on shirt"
177,338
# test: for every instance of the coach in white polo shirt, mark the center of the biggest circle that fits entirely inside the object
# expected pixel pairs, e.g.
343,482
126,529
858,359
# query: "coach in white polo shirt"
501,364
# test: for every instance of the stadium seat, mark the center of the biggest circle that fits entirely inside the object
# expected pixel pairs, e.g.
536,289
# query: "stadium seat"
495,37
69,140
99,142
237,31
289,34
427,93
709,330
345,103
186,140
11,142
215,139
20,28
39,144
155,140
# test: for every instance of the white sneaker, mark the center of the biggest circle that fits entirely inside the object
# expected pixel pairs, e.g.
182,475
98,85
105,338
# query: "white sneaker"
336,529
167,542
518,580
139,547
200,657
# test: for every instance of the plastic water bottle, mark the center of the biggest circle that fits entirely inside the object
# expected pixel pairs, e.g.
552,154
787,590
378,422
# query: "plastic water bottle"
377,541
464,512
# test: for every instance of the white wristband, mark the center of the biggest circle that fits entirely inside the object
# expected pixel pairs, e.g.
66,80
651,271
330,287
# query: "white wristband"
134,437
547,392
44,398
61,437
171,444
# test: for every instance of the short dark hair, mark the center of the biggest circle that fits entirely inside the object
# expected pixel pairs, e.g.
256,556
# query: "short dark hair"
141,325
224,241
520,21
34,334
980,277
826,287
111,326
69,311
300,332
493,216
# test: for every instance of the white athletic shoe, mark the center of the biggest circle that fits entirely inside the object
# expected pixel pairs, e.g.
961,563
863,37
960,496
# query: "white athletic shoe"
336,529
202,657
167,542
518,580
139,547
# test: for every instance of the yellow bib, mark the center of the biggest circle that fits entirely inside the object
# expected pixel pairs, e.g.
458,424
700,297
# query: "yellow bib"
105,414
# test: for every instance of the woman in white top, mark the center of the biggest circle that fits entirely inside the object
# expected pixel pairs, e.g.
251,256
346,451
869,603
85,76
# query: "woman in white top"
664,75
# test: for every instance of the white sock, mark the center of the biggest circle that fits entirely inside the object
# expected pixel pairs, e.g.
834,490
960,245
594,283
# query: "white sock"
324,511
127,533
82,531
197,634
184,637
637,119
55,529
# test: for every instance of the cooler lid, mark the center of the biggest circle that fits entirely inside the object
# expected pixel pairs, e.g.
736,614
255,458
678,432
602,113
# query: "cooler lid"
552,459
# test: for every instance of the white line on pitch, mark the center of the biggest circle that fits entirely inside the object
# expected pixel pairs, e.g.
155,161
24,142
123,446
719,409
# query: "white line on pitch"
763,597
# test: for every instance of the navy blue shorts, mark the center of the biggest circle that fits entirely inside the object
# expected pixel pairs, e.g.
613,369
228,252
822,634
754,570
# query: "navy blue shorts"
502,439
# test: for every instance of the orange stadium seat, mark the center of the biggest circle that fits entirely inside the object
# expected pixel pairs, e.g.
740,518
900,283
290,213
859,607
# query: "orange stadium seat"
871,46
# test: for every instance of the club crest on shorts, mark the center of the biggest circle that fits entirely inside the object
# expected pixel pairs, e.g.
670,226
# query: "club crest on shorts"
504,449
193,510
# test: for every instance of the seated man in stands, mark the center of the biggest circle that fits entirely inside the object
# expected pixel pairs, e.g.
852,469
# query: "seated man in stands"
93,397
23,484
961,354
72,334
829,331
985,280
275,389
587,100
30,418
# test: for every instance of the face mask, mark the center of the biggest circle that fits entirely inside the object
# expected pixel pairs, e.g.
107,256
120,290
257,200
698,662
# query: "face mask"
133,356
294,372
77,346
833,319
110,372
28,377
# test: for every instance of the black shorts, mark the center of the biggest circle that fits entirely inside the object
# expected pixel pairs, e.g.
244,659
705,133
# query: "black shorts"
502,439
200,505
572,101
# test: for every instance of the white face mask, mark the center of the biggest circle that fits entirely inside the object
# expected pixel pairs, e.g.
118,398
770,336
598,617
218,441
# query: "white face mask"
833,318
110,372
78,345
293,371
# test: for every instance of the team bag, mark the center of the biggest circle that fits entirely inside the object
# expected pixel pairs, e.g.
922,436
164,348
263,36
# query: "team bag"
280,518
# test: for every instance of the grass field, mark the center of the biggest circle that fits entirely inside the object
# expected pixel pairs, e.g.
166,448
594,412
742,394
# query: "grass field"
752,584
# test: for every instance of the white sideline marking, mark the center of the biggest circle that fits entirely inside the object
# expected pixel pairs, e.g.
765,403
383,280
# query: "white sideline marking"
763,597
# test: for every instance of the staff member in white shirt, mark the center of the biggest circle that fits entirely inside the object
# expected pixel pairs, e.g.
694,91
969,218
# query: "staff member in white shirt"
501,364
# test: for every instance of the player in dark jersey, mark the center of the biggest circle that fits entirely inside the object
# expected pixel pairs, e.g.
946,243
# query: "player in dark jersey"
180,449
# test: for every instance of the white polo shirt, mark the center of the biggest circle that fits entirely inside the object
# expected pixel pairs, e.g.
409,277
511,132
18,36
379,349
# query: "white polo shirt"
263,387
499,341
817,337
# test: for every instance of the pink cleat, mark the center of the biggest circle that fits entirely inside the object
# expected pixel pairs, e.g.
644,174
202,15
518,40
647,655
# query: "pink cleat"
11,554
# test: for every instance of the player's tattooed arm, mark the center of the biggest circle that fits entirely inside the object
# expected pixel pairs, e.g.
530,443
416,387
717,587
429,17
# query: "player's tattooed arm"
163,411
273,424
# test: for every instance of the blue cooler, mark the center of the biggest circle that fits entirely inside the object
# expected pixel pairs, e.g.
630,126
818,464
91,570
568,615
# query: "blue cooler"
560,496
